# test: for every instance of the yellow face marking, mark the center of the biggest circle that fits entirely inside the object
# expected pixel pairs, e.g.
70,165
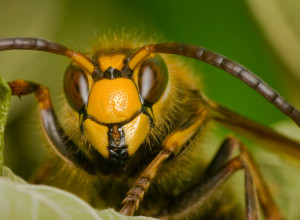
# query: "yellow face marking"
113,101
135,132
97,135
115,61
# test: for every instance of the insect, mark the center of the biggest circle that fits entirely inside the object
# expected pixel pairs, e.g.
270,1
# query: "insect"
132,132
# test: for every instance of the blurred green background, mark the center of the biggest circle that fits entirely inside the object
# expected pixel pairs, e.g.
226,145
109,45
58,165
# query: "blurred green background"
250,32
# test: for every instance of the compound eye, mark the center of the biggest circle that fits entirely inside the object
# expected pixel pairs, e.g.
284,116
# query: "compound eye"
153,79
76,87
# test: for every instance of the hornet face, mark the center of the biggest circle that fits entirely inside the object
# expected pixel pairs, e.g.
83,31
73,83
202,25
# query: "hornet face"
115,111
115,124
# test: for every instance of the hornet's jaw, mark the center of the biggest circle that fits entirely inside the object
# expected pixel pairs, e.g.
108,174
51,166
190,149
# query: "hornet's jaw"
117,143
117,147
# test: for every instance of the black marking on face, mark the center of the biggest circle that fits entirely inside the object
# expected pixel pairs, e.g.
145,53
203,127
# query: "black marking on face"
111,73
147,110
126,71
82,117
118,150
97,74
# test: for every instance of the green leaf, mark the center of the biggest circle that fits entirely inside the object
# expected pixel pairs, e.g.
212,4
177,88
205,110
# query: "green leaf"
26,201
6,172
4,104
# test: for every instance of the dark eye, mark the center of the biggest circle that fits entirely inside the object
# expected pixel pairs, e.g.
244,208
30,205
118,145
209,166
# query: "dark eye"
152,79
76,87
